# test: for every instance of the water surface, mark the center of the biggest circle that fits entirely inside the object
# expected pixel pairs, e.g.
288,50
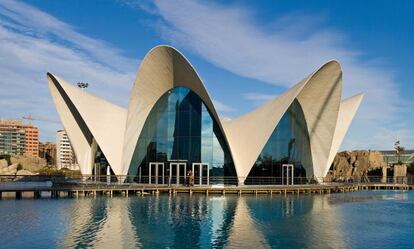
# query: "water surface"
351,220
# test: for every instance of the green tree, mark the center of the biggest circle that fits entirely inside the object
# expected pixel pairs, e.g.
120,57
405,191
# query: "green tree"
399,150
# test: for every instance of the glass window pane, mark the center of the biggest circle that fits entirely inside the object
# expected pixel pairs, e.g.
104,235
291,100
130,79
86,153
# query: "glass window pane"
180,127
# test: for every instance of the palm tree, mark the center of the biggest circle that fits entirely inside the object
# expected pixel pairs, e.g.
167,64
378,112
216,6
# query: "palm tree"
399,150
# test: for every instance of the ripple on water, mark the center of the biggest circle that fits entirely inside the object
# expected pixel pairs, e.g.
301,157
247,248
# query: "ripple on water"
351,220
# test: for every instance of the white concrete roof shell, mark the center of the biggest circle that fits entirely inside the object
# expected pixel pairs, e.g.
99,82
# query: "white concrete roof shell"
107,127
163,69
318,92
347,111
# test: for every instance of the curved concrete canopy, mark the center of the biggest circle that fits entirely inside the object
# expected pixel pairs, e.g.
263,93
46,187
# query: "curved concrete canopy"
103,128
163,69
347,111
320,100
80,137
319,97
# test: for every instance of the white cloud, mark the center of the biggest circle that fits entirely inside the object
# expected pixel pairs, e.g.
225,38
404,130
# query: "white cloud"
24,18
230,38
33,43
390,135
259,97
221,107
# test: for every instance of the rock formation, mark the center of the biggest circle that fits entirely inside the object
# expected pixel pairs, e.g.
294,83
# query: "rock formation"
355,165
13,169
32,164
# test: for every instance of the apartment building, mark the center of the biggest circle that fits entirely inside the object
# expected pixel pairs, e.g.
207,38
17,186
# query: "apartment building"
11,139
65,157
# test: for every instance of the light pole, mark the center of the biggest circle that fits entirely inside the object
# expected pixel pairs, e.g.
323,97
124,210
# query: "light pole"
82,85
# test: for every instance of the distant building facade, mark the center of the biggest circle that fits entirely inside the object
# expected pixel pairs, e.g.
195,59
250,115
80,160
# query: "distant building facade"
32,141
11,141
390,157
65,157
48,151
12,138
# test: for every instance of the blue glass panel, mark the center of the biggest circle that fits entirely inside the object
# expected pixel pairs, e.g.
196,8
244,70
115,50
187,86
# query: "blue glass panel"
180,127
183,123
196,149
288,143
206,148
218,153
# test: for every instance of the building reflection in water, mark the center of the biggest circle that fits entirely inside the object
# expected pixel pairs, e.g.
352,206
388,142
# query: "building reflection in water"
204,222
99,223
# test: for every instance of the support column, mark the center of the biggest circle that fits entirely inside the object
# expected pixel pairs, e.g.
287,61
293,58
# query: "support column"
178,173
192,173
163,173
139,178
384,175
208,175
185,174
149,173
156,173
169,180
200,174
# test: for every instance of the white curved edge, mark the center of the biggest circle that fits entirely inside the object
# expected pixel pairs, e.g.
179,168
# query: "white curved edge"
162,69
320,100
248,134
82,147
107,127
347,111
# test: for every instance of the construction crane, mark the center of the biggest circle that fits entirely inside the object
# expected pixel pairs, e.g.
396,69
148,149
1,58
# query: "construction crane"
30,118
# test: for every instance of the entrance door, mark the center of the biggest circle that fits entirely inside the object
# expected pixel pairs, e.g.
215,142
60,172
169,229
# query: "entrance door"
156,173
177,172
201,173
287,174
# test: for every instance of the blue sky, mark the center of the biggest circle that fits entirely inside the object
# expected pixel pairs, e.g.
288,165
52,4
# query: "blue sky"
246,52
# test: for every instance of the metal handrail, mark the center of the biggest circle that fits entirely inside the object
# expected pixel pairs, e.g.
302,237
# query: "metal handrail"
185,180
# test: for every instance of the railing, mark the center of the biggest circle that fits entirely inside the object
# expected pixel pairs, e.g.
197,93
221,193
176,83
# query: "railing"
197,181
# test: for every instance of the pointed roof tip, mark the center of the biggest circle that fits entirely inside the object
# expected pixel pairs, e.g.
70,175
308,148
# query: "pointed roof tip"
51,76
162,46
359,96
332,62
330,66
56,80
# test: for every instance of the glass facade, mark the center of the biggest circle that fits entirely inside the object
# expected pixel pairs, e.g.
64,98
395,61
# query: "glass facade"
288,144
100,166
180,128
